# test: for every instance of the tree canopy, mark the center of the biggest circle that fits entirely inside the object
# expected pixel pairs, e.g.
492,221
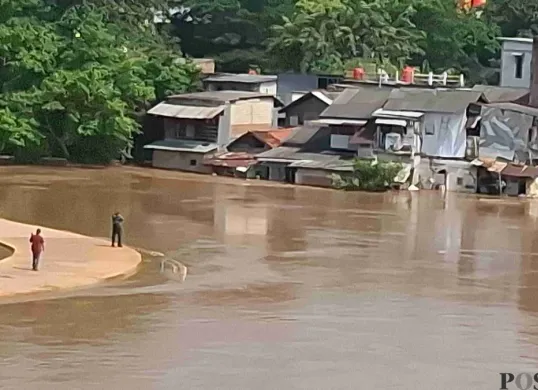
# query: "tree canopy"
324,35
75,77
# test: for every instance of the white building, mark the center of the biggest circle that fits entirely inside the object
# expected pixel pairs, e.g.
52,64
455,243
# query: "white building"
516,57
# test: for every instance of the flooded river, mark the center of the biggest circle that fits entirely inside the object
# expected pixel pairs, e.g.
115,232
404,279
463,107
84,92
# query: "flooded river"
288,288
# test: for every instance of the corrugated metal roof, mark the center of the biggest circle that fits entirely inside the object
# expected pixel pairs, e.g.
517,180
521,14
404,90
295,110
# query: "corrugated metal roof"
301,135
333,165
282,152
520,171
243,78
493,94
219,96
431,100
357,103
185,112
178,145
232,160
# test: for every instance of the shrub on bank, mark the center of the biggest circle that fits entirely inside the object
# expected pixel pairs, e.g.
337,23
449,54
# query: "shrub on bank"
368,175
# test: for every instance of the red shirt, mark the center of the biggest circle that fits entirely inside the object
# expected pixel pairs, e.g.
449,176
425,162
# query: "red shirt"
37,243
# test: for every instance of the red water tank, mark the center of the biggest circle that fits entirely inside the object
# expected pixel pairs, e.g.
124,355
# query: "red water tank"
478,3
407,74
358,73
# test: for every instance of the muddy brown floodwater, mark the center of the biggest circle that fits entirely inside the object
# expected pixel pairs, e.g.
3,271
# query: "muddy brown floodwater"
288,288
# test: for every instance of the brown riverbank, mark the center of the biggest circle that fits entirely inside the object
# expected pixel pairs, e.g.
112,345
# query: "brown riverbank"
69,261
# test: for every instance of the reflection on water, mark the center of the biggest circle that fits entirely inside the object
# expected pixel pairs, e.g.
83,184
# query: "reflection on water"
287,287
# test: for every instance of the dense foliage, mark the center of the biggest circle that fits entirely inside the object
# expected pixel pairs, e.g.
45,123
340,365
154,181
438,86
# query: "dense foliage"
368,176
75,77
327,35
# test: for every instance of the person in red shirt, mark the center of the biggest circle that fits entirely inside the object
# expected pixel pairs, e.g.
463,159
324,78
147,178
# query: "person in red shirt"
38,246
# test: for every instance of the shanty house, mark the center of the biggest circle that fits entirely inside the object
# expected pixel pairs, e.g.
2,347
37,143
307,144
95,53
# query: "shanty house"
437,138
306,157
308,107
199,124
348,116
239,160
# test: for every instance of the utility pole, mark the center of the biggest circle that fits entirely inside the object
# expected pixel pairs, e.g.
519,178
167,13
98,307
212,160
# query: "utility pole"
533,96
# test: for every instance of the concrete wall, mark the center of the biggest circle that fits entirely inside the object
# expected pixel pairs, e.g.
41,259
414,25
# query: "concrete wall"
508,64
250,114
269,88
313,177
182,161
460,176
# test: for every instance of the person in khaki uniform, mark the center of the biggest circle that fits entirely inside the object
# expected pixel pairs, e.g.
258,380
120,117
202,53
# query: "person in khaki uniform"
117,229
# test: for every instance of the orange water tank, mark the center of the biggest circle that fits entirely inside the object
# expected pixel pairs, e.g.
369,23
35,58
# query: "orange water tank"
407,74
478,3
358,73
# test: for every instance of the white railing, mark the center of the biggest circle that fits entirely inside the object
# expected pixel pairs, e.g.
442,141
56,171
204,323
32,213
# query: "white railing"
430,79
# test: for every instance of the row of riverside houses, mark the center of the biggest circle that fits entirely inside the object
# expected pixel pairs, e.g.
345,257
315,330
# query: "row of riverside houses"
477,139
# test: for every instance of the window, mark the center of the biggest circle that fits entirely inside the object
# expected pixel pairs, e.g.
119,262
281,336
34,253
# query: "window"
459,181
193,163
294,120
519,66
189,131
430,129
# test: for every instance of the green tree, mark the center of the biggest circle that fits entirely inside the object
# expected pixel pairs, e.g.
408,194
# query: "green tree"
233,32
464,41
321,36
81,76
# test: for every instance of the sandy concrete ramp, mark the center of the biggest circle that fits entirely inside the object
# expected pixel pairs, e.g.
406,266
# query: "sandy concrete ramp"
70,260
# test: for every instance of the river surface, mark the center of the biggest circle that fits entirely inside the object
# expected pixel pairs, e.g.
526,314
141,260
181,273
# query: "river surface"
288,287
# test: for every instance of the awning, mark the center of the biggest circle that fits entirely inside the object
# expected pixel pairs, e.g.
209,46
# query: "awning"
381,113
177,145
391,122
185,112
354,122
525,171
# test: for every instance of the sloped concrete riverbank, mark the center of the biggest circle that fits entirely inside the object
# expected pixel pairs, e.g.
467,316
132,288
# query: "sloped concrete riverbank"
70,260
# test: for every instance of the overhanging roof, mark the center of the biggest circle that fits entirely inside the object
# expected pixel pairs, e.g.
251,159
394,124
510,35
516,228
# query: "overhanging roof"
185,112
382,113
391,122
179,145
339,122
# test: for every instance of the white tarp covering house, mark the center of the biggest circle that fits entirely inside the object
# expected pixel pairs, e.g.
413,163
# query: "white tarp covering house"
507,132
443,133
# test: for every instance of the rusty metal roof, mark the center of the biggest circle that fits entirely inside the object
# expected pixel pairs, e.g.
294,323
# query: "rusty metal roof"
231,160
273,138
520,171
185,112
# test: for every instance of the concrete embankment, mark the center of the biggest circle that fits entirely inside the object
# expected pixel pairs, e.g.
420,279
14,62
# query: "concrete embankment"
70,260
